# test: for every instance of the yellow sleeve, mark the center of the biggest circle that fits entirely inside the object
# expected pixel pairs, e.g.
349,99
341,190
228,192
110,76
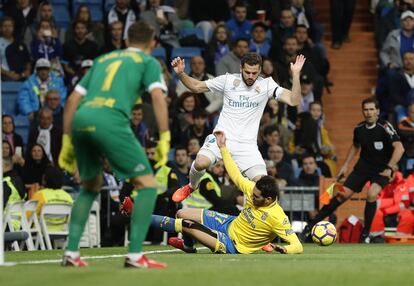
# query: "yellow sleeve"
285,232
39,197
245,185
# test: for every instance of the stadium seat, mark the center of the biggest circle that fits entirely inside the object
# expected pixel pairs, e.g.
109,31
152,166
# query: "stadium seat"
12,212
54,211
22,126
31,225
65,2
192,31
160,53
186,54
61,14
10,90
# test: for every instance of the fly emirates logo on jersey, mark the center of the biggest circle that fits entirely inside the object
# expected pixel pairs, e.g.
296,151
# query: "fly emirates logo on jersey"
243,102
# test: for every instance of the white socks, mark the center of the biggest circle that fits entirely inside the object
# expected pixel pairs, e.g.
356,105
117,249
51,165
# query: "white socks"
72,254
134,256
195,176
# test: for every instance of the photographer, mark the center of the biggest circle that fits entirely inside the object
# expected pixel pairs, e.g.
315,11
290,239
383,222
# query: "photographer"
47,45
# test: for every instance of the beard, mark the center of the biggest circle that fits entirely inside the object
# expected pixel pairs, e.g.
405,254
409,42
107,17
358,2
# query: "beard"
249,82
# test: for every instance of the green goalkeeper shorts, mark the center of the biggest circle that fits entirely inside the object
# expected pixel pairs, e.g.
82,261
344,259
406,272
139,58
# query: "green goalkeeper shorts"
106,133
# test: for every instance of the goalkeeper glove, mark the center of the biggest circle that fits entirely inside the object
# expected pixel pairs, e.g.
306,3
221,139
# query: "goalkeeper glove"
163,147
67,159
127,206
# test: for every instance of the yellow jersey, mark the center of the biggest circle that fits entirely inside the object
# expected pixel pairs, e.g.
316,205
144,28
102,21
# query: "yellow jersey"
255,227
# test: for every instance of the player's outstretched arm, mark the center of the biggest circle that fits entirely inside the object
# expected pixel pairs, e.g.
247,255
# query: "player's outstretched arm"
245,185
194,85
161,114
293,97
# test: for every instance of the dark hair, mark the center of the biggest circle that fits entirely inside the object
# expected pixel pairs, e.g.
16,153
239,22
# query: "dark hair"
316,102
78,11
140,33
290,37
267,185
10,149
184,96
236,42
239,3
199,113
305,156
371,99
301,26
9,116
150,144
7,18
137,107
80,22
270,129
251,59
53,178
180,148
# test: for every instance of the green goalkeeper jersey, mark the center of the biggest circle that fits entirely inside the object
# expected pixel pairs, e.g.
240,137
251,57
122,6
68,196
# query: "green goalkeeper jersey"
117,79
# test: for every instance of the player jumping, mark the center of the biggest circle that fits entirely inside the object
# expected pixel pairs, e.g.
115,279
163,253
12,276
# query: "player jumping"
245,97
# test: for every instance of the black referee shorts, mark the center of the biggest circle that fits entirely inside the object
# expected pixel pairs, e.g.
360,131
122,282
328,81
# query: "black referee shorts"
357,180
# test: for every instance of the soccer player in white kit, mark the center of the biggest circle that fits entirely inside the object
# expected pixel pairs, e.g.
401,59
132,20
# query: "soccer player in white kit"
244,98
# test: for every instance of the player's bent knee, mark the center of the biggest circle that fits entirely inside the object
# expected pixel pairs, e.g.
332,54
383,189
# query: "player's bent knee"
202,162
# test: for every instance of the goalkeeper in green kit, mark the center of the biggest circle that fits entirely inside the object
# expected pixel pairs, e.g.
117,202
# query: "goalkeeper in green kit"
96,121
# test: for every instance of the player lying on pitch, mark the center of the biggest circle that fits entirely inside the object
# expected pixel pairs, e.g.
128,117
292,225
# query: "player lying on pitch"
259,223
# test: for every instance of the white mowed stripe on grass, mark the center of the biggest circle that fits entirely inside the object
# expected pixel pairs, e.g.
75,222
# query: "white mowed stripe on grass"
50,261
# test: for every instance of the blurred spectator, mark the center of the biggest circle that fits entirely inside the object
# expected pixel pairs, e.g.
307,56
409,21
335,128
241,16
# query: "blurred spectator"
307,93
309,175
387,18
210,101
217,47
272,171
290,52
165,21
285,171
271,137
44,12
122,11
24,14
115,41
78,49
406,132
96,30
198,129
206,14
325,146
398,42
9,135
304,14
33,91
13,188
47,45
47,135
52,193
315,53
84,68
238,25
14,56
35,166
181,165
281,30
183,118
18,161
52,102
138,126
230,63
259,43
170,83
193,146
342,12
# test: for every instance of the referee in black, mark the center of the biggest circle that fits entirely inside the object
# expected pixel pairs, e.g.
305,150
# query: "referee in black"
381,149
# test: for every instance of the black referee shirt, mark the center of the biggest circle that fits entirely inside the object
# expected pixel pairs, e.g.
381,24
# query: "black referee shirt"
376,145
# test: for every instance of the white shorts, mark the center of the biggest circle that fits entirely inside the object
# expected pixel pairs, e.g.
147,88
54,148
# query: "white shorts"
247,156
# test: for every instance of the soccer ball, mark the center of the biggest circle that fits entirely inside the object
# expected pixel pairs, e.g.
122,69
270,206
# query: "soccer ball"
324,233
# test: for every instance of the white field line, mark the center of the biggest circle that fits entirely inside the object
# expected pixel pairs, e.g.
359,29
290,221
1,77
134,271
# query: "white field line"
50,261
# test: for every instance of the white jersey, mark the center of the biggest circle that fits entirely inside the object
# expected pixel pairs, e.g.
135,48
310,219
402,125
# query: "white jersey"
242,105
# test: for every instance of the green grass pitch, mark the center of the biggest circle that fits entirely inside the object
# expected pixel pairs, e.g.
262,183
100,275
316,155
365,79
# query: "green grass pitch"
334,265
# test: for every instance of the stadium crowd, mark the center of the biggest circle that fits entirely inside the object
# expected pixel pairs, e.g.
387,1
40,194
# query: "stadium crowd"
49,54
